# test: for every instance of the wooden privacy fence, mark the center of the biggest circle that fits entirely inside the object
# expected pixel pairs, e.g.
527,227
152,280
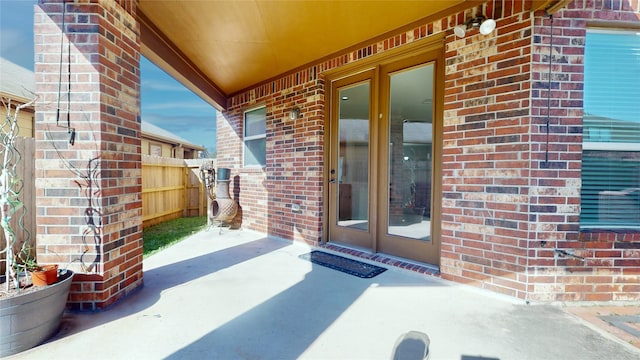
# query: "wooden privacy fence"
26,171
171,188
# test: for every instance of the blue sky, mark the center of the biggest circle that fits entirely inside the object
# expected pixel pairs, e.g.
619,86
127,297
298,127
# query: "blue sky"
164,101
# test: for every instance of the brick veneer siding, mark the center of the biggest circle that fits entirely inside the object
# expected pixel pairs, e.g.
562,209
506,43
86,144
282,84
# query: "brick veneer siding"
606,266
295,149
486,155
293,174
505,216
510,217
89,194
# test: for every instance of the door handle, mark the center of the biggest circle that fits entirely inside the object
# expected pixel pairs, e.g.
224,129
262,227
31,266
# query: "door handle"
332,181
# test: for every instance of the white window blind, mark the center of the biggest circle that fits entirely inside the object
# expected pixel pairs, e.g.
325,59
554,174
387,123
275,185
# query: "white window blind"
610,196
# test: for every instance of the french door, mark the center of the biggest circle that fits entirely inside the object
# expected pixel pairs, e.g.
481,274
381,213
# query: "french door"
352,172
383,151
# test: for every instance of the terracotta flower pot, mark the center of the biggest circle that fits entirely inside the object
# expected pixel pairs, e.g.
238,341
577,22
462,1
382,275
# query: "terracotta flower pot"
46,275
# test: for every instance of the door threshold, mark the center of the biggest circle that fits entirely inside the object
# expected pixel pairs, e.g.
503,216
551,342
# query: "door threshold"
400,263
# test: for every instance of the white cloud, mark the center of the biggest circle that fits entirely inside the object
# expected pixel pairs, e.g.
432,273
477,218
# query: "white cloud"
179,106
159,85
178,121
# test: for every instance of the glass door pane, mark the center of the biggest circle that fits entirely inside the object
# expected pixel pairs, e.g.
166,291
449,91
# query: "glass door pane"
353,157
410,152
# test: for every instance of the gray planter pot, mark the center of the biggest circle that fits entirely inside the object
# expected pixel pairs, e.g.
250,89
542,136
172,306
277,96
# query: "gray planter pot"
28,320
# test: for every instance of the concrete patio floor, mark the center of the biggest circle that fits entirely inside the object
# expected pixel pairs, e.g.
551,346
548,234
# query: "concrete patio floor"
241,295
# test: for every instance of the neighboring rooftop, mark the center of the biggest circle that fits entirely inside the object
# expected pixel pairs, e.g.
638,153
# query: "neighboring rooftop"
154,132
16,81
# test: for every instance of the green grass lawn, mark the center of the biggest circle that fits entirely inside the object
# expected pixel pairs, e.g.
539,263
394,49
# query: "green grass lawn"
163,235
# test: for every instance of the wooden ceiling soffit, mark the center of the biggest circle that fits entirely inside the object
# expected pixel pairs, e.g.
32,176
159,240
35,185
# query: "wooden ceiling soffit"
166,55
466,4
550,6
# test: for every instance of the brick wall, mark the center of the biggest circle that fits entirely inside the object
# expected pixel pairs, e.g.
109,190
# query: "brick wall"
507,213
606,265
295,149
511,189
293,174
89,193
485,165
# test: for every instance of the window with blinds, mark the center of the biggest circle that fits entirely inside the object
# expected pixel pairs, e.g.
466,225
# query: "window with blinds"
610,196
255,138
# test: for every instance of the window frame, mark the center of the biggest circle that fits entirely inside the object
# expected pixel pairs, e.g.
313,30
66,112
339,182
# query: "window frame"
606,146
250,138
155,148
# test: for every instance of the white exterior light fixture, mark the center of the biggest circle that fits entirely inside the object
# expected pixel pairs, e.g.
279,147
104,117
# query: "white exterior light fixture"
294,113
481,22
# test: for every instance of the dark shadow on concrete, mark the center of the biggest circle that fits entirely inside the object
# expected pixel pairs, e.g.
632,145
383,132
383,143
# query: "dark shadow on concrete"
166,277
284,326
236,223
413,345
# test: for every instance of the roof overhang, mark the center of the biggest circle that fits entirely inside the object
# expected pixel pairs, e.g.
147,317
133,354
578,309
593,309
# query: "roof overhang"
220,48
549,6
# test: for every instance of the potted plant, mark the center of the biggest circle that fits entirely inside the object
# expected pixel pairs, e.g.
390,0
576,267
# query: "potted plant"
29,315
41,275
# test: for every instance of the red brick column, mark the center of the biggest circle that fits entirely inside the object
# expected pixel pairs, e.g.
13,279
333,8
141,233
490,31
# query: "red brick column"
88,194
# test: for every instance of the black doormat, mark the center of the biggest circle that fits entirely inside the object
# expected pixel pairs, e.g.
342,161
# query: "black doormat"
349,266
